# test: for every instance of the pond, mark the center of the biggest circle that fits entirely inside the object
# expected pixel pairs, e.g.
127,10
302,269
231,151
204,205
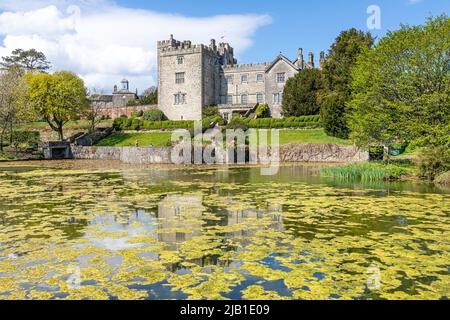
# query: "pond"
101,230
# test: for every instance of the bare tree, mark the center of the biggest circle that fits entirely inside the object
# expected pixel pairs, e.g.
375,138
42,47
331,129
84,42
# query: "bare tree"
95,112
10,86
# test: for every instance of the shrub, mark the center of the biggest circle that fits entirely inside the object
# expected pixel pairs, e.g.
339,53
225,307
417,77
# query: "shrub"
211,112
25,139
262,111
443,179
154,115
433,161
366,171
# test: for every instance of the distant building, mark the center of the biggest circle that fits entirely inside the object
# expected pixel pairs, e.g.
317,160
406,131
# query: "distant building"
117,104
191,77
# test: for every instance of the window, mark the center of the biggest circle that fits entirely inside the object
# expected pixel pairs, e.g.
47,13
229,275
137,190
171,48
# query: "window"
277,98
229,99
244,99
244,78
180,59
259,77
229,79
180,98
281,77
179,77
259,98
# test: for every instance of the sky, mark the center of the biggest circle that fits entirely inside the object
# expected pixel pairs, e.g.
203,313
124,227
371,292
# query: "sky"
104,40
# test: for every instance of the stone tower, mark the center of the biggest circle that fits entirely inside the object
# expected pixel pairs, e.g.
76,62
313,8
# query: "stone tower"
189,77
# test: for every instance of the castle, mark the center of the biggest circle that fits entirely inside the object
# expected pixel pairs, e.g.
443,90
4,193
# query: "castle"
191,77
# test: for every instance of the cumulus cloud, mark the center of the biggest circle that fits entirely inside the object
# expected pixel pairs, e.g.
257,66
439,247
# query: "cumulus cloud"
104,42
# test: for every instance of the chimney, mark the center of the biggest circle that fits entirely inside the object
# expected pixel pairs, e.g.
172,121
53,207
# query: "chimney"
322,59
300,64
213,45
311,60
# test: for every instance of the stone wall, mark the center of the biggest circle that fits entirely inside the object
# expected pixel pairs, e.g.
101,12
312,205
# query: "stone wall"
130,155
288,153
113,112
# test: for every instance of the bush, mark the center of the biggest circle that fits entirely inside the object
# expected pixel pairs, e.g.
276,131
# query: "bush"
154,115
262,111
25,139
433,162
443,179
211,112
366,171
137,124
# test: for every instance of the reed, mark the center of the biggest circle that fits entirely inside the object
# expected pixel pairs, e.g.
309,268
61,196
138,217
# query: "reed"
365,171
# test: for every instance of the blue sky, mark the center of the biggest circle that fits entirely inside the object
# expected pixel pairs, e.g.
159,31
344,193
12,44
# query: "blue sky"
106,40
310,24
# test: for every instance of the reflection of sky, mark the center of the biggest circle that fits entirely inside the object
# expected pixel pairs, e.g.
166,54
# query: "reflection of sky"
147,225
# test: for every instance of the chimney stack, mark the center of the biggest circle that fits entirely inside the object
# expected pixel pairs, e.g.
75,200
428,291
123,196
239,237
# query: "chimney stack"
322,59
300,64
213,45
311,60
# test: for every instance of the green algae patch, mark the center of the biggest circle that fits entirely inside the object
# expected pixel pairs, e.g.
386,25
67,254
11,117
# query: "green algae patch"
167,234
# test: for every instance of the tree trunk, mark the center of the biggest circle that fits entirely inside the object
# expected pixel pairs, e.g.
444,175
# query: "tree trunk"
60,133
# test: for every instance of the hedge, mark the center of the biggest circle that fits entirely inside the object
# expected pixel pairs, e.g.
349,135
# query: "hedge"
291,122
137,124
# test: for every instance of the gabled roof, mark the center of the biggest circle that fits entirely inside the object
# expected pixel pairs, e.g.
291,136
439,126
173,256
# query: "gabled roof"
281,57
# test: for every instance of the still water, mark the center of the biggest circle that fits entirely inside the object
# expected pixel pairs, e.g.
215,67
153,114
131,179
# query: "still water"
96,230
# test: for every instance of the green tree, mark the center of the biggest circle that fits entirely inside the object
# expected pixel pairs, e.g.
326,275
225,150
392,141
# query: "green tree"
337,77
262,111
149,97
57,98
300,94
401,88
28,60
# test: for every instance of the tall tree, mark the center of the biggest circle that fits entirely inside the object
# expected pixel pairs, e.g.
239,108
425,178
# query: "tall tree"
94,114
401,88
149,96
10,94
57,98
300,94
28,60
337,76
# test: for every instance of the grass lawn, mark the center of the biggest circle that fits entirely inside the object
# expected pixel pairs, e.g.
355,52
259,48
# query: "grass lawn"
144,139
163,138
309,136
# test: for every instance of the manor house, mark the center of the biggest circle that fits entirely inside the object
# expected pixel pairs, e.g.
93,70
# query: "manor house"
191,77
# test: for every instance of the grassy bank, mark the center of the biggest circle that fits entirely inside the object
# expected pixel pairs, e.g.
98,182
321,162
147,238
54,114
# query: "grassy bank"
163,138
6,156
370,171
144,139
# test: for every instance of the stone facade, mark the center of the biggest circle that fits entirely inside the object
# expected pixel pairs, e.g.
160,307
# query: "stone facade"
191,77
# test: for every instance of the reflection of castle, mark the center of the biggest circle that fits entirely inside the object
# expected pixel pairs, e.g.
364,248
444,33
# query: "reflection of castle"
183,213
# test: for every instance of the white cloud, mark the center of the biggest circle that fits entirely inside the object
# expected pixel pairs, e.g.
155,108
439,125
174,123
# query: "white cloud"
104,42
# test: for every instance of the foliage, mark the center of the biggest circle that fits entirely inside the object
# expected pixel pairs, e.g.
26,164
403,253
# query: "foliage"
268,123
443,179
300,94
132,103
154,115
211,112
137,124
262,111
10,98
149,97
27,60
4,156
366,171
56,98
401,88
433,161
25,139
337,77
